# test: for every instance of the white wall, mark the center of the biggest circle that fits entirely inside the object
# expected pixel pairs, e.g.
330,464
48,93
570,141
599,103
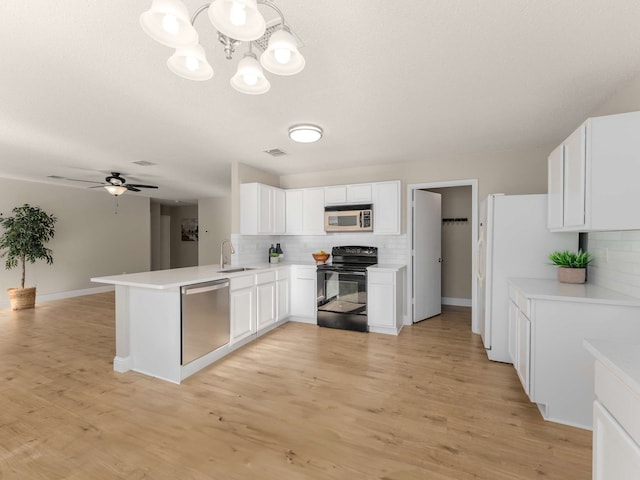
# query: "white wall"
214,218
90,240
510,172
183,253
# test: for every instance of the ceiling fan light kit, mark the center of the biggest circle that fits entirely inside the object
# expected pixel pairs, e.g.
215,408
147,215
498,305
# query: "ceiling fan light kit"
167,21
115,190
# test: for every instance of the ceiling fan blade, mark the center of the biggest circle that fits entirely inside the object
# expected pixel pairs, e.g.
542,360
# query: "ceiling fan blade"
141,186
78,180
98,186
132,188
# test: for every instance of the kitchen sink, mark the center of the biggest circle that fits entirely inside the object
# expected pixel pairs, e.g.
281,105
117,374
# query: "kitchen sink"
235,270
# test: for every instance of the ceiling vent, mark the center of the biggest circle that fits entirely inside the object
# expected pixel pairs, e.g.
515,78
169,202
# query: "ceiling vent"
275,152
144,163
273,26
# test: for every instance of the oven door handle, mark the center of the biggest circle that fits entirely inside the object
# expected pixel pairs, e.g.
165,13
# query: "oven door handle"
346,272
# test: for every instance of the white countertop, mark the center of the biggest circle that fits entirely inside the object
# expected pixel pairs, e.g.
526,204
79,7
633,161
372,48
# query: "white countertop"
544,289
176,277
620,357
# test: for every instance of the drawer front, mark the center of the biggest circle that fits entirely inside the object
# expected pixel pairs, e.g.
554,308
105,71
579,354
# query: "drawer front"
308,273
383,278
619,399
237,283
265,277
283,273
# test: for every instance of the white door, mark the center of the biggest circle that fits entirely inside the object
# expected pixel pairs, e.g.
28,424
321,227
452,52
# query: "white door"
427,242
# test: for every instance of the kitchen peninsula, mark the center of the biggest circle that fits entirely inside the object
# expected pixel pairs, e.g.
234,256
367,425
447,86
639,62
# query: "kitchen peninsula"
148,314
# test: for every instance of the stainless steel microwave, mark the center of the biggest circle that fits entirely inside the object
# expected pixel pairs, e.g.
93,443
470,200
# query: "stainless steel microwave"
348,218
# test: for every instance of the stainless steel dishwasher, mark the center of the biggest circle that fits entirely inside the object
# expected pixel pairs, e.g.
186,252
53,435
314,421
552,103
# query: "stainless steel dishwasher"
205,318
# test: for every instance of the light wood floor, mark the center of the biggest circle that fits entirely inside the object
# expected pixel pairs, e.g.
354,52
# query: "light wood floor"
302,402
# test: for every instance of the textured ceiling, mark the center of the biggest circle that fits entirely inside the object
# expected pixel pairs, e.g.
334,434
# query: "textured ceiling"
84,91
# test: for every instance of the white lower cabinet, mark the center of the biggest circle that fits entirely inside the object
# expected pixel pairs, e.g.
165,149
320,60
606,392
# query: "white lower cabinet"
616,456
266,299
304,293
242,297
283,294
548,324
384,299
616,422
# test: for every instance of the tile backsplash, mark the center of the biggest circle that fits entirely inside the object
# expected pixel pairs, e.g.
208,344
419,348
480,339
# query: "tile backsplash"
616,262
254,248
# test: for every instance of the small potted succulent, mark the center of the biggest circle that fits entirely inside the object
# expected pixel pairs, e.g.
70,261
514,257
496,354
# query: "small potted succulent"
572,266
23,240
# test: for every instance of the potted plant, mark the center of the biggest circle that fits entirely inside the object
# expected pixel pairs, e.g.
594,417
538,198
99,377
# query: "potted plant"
23,240
572,266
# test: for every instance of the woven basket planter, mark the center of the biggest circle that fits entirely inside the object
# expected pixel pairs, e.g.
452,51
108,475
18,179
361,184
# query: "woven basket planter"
22,298
572,275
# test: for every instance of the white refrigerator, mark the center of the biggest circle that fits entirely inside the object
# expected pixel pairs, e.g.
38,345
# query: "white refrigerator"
514,242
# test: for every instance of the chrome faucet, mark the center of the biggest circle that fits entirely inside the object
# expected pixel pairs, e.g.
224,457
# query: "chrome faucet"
231,251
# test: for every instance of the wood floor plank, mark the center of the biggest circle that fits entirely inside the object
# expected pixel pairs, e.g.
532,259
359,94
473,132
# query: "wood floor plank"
301,402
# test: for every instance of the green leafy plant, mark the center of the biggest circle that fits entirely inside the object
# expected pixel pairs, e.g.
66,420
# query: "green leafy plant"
25,235
569,259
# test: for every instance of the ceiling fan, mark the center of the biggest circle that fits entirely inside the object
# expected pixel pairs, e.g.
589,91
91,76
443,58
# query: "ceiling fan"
116,185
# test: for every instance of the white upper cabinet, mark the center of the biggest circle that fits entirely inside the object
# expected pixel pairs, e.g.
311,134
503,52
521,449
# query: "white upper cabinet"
556,189
305,211
262,209
596,170
386,208
345,194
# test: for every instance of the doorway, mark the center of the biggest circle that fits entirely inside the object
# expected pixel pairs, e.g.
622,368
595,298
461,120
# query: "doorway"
459,273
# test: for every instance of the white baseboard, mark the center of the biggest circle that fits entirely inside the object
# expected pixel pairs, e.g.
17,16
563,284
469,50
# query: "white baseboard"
121,364
457,302
4,303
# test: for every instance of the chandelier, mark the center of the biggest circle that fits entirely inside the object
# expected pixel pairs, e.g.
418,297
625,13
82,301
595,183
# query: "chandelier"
237,21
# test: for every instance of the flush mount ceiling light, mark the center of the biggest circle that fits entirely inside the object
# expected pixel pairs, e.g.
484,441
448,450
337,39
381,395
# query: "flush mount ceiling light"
305,133
237,21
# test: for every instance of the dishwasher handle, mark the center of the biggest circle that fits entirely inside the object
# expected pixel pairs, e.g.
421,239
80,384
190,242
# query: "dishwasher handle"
193,289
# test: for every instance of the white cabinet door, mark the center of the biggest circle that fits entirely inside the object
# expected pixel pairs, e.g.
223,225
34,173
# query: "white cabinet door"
279,211
381,305
386,208
313,211
335,195
304,300
524,350
266,303
615,455
262,209
265,209
513,334
555,198
242,303
575,178
359,193
294,212
282,303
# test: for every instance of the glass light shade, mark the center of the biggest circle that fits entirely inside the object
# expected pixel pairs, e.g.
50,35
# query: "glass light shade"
305,133
282,45
167,22
115,190
238,19
249,77
190,63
